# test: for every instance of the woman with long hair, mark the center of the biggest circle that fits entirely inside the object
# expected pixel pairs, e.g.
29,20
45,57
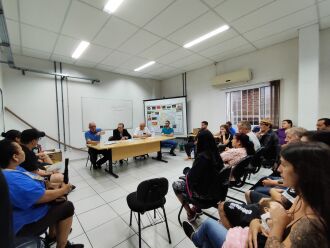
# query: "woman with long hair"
304,167
224,136
242,146
200,178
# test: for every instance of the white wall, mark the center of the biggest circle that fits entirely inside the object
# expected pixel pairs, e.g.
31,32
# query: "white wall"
1,107
324,84
206,102
33,96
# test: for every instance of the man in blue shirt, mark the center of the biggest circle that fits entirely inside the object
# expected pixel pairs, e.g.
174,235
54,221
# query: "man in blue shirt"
168,131
93,137
231,129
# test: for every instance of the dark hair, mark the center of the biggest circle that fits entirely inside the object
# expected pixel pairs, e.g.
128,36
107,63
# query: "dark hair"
229,123
168,121
7,151
206,145
11,134
120,123
289,122
311,162
225,126
205,123
318,136
326,121
245,143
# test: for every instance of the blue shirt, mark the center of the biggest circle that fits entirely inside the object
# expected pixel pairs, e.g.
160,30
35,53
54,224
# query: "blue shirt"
232,131
24,192
167,130
92,136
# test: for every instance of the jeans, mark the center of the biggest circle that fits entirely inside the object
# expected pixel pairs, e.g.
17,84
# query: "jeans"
189,147
169,143
211,234
265,189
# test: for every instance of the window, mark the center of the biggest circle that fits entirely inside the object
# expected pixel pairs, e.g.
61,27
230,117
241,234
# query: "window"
254,104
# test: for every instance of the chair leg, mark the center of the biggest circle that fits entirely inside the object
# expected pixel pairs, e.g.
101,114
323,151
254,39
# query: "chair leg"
168,230
180,215
130,219
139,224
154,213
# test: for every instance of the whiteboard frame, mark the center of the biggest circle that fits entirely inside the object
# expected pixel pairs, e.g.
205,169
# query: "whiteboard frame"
168,98
101,98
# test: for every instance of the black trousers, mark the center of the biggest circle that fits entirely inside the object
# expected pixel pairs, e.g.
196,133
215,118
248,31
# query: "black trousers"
189,147
93,156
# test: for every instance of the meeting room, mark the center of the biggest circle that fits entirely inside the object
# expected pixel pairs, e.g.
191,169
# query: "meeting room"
164,123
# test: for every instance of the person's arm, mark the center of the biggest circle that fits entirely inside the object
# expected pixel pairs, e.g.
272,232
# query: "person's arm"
42,173
51,195
276,194
273,183
127,134
91,142
45,158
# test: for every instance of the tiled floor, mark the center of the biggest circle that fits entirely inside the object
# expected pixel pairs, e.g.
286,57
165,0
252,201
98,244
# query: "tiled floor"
101,212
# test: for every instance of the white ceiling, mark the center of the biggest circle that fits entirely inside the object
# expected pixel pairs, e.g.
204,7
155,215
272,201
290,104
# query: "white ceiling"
144,30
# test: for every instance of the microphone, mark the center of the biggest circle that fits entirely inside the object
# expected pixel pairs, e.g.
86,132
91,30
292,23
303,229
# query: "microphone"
66,171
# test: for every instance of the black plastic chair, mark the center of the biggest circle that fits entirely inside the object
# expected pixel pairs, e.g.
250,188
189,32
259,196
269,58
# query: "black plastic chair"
256,161
223,185
150,195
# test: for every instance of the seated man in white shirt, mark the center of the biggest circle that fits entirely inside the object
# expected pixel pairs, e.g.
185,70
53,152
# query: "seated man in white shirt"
142,131
245,128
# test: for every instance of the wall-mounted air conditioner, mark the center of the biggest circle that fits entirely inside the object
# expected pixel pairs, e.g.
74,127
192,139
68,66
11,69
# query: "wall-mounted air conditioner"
243,75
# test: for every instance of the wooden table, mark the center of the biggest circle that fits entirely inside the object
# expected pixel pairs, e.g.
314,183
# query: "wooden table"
123,149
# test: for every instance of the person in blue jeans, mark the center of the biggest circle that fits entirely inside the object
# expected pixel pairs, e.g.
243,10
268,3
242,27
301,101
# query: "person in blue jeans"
168,131
211,234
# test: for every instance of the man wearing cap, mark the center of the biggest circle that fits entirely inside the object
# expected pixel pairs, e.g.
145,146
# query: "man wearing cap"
93,137
33,161
269,140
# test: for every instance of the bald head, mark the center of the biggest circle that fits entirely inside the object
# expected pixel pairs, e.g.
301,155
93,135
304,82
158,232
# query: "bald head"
92,127
142,125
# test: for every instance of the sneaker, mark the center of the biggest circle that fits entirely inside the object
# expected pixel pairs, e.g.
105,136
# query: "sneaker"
72,188
72,245
192,218
188,229
197,210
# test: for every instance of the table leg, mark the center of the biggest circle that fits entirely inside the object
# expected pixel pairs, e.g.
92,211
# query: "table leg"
110,170
160,157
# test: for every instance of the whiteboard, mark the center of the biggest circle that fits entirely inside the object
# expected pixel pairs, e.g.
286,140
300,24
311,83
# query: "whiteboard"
107,113
157,111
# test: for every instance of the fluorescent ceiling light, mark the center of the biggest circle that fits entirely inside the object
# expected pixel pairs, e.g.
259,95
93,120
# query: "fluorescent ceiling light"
206,36
112,6
145,66
80,49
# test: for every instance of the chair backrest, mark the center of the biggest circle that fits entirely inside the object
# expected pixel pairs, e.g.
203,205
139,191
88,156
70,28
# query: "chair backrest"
152,190
256,160
240,172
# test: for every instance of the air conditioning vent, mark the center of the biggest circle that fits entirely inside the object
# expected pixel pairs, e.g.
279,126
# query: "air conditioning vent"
243,75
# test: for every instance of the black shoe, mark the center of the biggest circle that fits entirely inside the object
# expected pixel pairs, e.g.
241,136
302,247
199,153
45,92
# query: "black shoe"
99,166
95,167
188,229
121,162
72,188
72,245
172,153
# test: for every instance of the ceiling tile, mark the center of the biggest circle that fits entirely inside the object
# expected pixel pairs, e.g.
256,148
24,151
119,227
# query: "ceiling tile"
35,53
141,11
234,53
277,38
139,42
13,32
194,58
105,67
298,19
324,8
202,25
61,58
234,9
175,16
133,63
177,54
197,65
325,22
114,33
49,14
159,70
224,46
96,3
213,3
15,49
66,46
85,63
95,54
116,58
10,8
83,22
269,13
37,39
160,48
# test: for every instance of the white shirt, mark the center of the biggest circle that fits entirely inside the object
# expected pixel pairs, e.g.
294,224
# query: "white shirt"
139,132
253,138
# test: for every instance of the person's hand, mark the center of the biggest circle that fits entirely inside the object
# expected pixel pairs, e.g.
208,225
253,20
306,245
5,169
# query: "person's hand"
66,188
254,229
227,148
279,215
41,155
269,182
